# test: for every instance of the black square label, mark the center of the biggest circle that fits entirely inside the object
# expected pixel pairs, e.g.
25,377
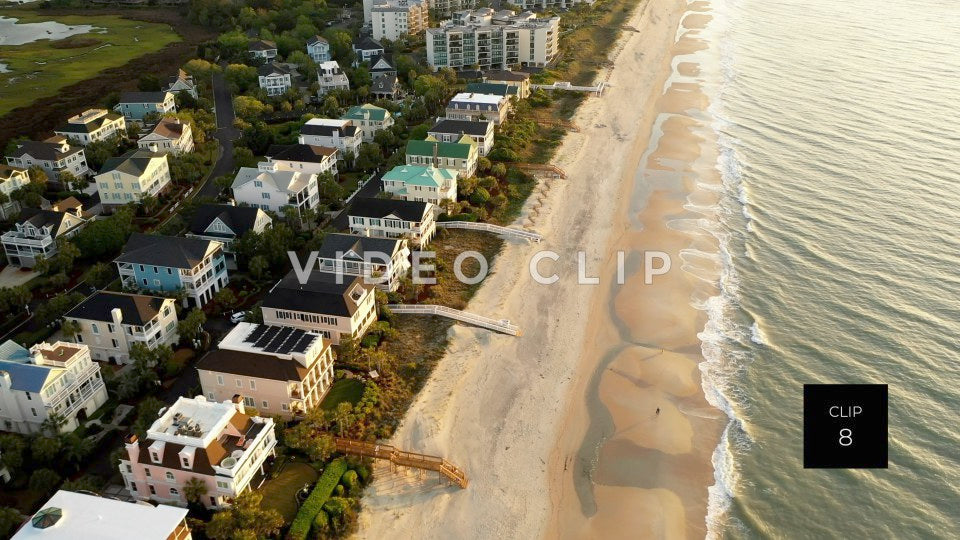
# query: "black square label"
844,426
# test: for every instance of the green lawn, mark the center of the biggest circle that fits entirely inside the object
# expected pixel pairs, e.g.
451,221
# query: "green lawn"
343,390
280,493
41,68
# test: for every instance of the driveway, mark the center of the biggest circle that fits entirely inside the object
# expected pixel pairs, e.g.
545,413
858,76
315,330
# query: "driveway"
13,276
225,135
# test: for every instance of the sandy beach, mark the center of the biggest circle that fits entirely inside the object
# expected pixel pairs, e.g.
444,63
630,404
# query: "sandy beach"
557,429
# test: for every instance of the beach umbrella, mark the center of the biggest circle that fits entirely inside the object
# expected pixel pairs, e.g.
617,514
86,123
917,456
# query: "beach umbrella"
48,517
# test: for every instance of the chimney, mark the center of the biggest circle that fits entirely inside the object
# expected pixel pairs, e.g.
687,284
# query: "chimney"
133,448
117,316
238,403
436,157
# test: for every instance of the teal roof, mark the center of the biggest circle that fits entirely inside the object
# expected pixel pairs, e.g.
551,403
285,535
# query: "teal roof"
361,113
24,376
457,150
497,89
420,176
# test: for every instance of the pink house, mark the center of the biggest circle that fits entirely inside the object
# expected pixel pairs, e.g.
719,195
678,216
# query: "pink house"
197,438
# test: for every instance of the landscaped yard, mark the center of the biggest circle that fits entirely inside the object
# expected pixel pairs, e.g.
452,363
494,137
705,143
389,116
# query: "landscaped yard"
41,68
280,493
343,390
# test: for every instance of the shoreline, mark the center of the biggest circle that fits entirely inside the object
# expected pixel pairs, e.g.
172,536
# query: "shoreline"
497,405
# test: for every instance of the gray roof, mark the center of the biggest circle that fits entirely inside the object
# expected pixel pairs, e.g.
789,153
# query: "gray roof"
506,75
46,151
381,208
384,83
328,131
273,68
24,376
134,162
90,126
343,243
320,294
262,45
143,97
239,219
136,309
465,127
299,152
42,218
316,39
367,43
169,251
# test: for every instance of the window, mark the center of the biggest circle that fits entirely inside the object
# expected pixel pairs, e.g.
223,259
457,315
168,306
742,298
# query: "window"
284,407
265,195
265,404
34,411
185,461
129,468
169,476
257,183
220,380
95,328
239,383
249,402
153,490
213,501
29,397
174,492
222,485
253,384
146,470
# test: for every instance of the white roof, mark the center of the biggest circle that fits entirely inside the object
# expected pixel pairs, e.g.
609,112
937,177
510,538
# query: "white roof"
86,517
335,122
192,422
289,181
470,97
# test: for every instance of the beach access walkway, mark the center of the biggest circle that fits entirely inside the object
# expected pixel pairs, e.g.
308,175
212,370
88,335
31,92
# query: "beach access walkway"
490,228
503,325
564,85
402,458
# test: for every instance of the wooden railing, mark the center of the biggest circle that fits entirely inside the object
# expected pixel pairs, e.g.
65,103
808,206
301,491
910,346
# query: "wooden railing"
490,228
502,325
541,168
403,458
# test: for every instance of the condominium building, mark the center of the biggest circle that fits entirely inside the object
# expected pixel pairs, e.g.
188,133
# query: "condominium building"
168,264
93,125
333,305
279,370
132,176
54,156
444,8
384,261
554,5
394,19
111,322
493,40
217,443
37,233
50,378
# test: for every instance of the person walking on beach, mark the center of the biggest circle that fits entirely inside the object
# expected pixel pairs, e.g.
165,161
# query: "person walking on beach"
658,411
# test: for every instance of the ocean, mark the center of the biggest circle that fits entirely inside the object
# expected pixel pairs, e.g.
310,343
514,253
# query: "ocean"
837,127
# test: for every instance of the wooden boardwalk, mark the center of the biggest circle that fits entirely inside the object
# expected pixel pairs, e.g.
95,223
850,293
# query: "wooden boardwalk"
540,168
444,468
491,228
503,326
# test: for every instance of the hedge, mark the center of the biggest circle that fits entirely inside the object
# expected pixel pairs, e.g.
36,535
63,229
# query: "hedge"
321,492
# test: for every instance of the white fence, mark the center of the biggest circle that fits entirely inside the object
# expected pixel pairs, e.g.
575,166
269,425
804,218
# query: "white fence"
490,228
564,85
502,325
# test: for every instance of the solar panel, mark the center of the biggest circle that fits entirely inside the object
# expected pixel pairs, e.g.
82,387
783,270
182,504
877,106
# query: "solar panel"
302,343
257,332
278,340
266,337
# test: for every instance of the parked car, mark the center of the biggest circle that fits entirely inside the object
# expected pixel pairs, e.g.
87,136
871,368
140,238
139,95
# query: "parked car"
239,316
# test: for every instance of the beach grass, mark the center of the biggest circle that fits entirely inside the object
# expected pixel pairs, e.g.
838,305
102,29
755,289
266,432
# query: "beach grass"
42,68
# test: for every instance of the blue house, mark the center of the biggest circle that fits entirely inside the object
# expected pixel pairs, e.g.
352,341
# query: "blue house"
134,106
170,263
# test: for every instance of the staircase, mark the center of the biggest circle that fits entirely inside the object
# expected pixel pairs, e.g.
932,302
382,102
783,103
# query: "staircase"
503,326
403,458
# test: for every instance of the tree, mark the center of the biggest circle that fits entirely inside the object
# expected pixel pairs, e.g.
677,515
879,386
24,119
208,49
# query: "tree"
11,451
99,274
10,519
103,238
76,449
347,350
38,176
70,329
499,170
258,265
201,70
241,77
370,156
190,326
225,298
317,445
67,253
147,413
245,520
149,83
249,108
87,482
44,481
244,158
344,415
194,489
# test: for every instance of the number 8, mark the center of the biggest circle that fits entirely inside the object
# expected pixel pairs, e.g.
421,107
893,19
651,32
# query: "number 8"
846,439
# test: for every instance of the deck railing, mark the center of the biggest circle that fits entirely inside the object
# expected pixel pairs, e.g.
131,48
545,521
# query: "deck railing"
403,458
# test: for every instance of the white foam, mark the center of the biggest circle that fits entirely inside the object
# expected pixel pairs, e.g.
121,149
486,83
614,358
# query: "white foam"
756,334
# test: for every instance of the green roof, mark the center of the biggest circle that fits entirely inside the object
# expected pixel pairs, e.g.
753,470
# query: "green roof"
497,89
419,176
457,150
361,112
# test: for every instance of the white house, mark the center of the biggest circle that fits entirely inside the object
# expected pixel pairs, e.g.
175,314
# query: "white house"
132,176
111,322
303,158
384,261
51,378
275,79
262,49
318,49
182,82
394,218
93,125
11,179
478,107
37,234
169,136
54,156
370,119
271,188
340,134
451,131
330,77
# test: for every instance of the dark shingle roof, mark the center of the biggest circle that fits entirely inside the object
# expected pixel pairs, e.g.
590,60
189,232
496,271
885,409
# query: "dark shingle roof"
328,131
46,151
316,39
137,309
465,127
320,294
171,251
249,364
342,243
367,43
143,97
384,83
42,218
504,75
273,68
262,45
299,152
90,126
240,219
380,208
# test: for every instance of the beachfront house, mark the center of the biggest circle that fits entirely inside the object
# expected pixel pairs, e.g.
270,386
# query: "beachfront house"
54,155
38,233
519,79
93,125
271,188
496,89
226,223
318,49
279,370
384,260
447,130
167,264
478,107
111,322
370,119
460,156
132,176
169,136
70,515
49,378
335,306
274,78
332,133
135,106
217,443
421,183
394,218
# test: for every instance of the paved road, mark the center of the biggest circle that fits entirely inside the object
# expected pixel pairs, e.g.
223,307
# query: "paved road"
225,135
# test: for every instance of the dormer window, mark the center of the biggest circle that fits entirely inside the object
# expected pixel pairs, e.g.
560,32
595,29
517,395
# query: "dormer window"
155,456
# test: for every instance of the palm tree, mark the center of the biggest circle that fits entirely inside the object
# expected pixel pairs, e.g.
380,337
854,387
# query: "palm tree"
53,423
70,329
76,449
194,490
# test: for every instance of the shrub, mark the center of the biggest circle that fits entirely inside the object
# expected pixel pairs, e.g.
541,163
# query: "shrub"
479,196
351,482
321,524
318,497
